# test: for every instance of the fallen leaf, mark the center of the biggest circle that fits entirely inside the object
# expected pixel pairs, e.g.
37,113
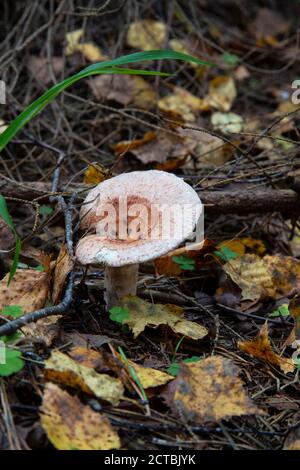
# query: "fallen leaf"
63,267
28,289
63,369
183,103
124,89
41,68
95,174
228,123
261,348
150,377
209,391
242,245
70,425
268,277
267,24
89,50
292,441
144,314
157,147
221,93
147,35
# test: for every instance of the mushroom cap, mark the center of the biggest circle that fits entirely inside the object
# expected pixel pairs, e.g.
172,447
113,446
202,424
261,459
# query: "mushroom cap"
171,210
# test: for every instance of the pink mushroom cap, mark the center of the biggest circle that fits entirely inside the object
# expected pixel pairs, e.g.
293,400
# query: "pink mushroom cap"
171,209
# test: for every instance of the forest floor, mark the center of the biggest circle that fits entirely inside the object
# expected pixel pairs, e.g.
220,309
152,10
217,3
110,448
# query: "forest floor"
227,375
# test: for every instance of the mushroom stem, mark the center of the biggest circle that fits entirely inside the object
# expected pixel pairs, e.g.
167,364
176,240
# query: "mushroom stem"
119,282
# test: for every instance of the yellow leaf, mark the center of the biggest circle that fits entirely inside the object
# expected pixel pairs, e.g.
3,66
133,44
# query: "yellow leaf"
144,314
221,93
241,245
183,103
95,174
70,425
150,377
90,51
63,369
210,390
147,35
73,39
261,348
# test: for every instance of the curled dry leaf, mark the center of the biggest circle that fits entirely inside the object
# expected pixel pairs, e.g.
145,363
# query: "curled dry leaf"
147,35
124,89
70,425
268,277
142,314
209,391
63,369
261,348
64,265
183,103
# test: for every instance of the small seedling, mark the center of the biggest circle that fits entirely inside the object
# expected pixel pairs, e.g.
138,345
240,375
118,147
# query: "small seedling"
226,254
119,314
185,263
282,311
174,367
13,311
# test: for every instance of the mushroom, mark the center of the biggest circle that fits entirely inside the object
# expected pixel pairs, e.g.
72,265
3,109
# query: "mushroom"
132,218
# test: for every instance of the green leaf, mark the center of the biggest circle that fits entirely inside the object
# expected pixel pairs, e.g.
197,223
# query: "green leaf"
39,268
133,374
184,262
282,311
230,59
15,260
11,338
174,367
226,254
5,214
110,66
10,361
14,311
119,314
45,210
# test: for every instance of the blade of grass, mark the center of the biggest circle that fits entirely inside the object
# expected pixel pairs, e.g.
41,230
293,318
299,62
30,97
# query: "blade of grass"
110,66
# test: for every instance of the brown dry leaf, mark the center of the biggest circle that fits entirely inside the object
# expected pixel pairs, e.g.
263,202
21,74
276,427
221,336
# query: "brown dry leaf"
70,425
268,277
167,267
147,35
64,265
267,24
90,51
292,441
261,348
124,89
41,68
210,390
28,289
183,103
63,369
157,147
242,245
221,93
142,314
